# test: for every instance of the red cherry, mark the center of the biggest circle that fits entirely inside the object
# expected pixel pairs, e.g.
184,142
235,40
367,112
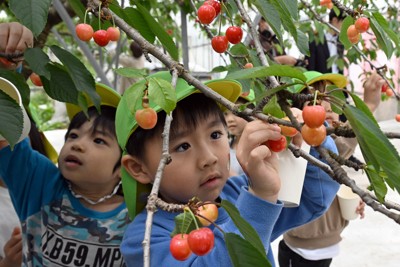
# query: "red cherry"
35,79
384,88
179,247
248,65
219,43
206,14
314,116
101,37
113,33
234,34
362,24
215,4
277,145
201,241
397,117
84,32
146,118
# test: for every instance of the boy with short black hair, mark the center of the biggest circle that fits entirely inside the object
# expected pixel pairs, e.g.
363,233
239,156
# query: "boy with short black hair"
199,167
72,215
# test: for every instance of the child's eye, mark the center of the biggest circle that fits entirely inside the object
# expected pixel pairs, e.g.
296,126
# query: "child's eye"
72,135
99,141
182,147
216,135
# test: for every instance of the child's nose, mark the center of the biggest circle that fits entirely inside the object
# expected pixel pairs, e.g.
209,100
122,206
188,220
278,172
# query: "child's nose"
77,145
207,156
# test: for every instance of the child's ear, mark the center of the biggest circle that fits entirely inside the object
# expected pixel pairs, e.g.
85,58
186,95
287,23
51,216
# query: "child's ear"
136,168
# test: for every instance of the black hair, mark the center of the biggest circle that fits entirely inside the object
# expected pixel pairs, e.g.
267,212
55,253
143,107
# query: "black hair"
136,49
188,113
104,121
340,16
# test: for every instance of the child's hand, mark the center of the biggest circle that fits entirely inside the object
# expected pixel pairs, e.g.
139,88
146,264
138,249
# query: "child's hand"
13,250
360,209
14,38
372,90
259,163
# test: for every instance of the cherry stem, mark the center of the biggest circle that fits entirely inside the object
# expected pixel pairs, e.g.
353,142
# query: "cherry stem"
227,12
315,97
194,218
84,18
99,15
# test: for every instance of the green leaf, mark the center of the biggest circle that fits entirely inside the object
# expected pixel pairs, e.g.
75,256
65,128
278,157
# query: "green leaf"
271,16
286,16
135,19
134,95
81,77
162,93
273,108
160,32
383,23
32,13
302,43
377,183
219,69
244,227
37,60
265,71
64,89
382,38
343,32
184,223
243,253
338,97
11,122
374,145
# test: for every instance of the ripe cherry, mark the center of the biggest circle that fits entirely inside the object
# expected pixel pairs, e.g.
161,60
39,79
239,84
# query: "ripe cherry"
219,44
35,79
397,117
277,145
146,118
84,32
353,34
209,211
101,37
313,136
314,116
362,24
287,130
215,4
206,14
179,247
324,2
113,33
234,34
248,65
201,241
384,88
389,92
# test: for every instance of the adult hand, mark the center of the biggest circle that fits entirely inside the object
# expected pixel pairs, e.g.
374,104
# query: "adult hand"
13,250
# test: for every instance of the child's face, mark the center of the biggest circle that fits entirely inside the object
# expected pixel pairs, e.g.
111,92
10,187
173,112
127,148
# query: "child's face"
199,166
88,158
235,123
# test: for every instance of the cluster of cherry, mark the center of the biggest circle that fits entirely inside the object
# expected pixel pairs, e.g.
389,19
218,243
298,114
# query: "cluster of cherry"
206,15
199,241
354,31
101,37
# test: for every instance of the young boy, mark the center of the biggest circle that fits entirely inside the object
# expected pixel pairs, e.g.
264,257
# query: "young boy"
72,215
199,166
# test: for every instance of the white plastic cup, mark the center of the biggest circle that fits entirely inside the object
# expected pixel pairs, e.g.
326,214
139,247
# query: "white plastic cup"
292,171
7,87
348,202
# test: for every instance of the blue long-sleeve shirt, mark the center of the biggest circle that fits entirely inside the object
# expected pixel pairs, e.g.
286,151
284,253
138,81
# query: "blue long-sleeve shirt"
270,220
57,229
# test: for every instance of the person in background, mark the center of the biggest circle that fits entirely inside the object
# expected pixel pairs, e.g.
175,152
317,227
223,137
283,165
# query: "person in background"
321,52
315,244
